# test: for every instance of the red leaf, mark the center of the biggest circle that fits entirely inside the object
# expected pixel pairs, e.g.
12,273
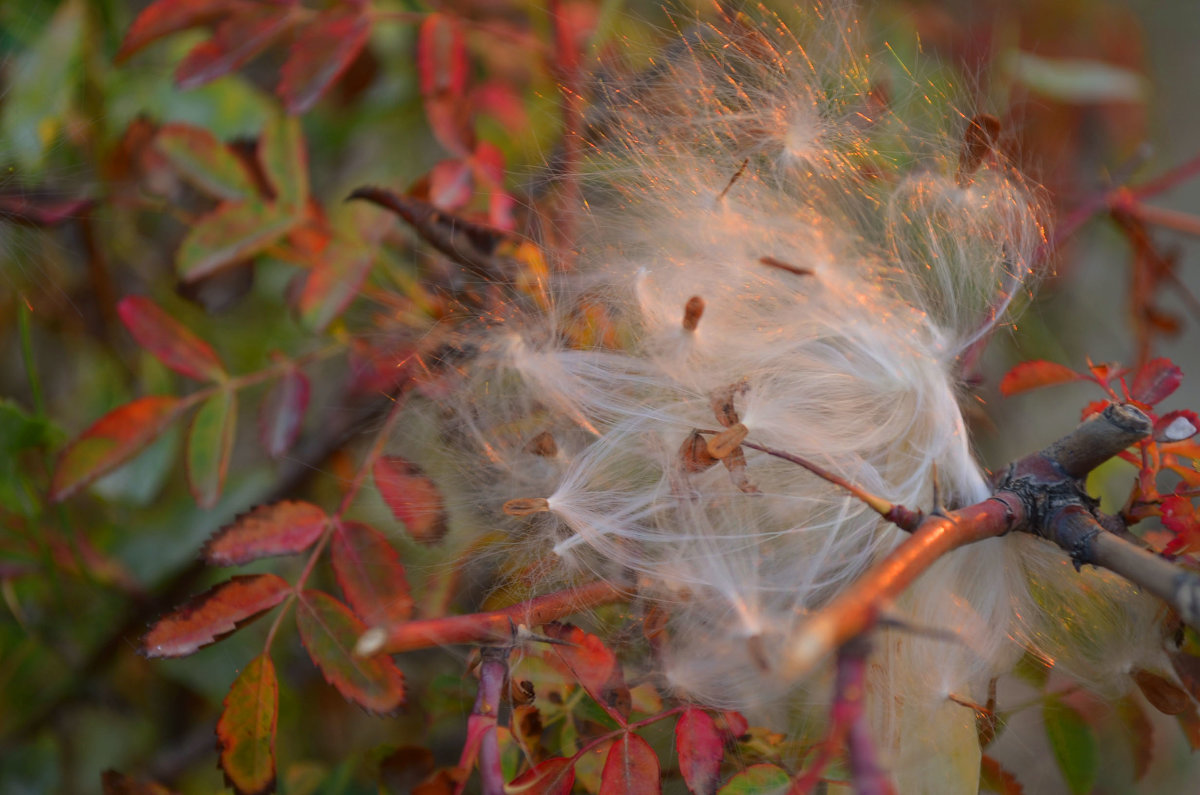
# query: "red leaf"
165,17
205,162
329,631
246,730
591,662
1189,722
1179,516
552,777
1032,375
442,56
1156,380
1176,426
333,282
238,38
450,184
282,528
1163,694
210,446
371,575
111,441
170,341
214,614
442,70
229,234
31,209
994,778
631,768
282,411
318,57
732,723
700,749
1093,408
413,498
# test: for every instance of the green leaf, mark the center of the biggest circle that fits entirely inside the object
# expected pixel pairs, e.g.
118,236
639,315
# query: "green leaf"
1076,80
210,446
285,162
42,88
329,631
205,162
246,730
111,441
757,780
233,232
1074,744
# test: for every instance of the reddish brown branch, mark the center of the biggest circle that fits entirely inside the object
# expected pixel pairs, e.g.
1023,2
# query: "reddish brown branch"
856,609
493,627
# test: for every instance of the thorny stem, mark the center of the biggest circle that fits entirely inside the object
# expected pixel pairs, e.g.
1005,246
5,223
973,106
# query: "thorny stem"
1041,494
492,673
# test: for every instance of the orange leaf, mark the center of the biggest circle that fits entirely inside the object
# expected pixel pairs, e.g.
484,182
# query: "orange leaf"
214,614
413,498
631,768
246,730
111,441
282,528
1032,375
329,631
371,575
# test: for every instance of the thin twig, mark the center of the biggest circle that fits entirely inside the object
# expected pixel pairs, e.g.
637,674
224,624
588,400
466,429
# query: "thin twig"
492,627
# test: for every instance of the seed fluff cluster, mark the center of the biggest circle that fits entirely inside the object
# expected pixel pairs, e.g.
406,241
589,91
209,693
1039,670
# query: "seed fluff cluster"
784,243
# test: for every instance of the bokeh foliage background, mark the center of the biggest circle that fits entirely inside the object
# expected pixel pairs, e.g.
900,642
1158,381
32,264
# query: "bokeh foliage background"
88,216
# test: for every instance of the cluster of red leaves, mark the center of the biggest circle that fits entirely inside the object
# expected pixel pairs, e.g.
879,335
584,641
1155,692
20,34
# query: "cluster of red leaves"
320,44
126,430
371,576
1171,448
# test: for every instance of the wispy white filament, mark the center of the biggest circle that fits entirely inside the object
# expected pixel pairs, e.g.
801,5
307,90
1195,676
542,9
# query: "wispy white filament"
888,264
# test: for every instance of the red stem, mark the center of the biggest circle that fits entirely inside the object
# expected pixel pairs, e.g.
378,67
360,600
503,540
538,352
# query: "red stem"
497,626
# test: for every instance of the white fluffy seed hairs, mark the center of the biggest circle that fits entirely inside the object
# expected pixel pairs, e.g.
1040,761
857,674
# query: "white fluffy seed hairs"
771,252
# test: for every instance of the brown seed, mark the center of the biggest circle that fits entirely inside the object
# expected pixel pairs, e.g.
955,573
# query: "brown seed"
694,455
692,311
526,506
772,262
978,141
543,444
722,444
